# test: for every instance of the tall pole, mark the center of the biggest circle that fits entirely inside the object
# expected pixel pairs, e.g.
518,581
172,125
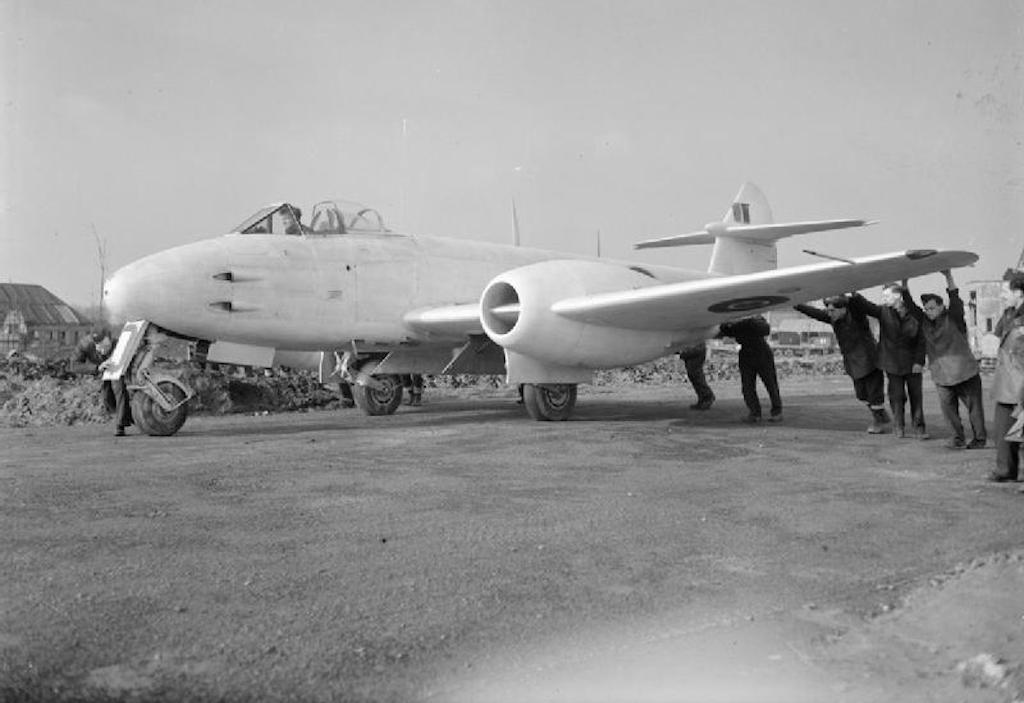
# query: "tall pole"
101,255
405,174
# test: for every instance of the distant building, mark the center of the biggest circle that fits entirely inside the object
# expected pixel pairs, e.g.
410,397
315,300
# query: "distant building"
795,334
983,305
35,321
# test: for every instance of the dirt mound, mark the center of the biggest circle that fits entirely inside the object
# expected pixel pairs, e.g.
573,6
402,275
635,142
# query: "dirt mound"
39,394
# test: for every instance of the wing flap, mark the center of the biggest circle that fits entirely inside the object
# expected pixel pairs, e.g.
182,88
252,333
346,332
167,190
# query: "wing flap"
710,301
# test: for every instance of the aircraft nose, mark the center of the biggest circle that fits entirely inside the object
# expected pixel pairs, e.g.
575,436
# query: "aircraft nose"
163,288
117,295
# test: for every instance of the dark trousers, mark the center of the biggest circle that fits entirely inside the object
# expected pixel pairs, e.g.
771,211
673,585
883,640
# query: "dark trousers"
752,365
1008,454
122,410
870,389
695,373
412,381
904,387
968,392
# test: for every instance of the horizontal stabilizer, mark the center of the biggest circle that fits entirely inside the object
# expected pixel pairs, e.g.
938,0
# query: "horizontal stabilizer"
765,232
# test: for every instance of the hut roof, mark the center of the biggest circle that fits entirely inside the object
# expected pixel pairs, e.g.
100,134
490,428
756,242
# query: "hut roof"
38,305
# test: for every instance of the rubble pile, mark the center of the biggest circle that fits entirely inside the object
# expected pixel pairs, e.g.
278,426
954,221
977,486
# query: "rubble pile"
39,394
36,393
719,367
49,400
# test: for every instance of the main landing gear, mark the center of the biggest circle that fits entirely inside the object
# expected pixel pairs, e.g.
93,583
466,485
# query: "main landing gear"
378,395
549,402
374,394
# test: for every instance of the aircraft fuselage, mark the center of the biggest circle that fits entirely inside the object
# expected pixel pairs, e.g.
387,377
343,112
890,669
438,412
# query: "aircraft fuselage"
316,292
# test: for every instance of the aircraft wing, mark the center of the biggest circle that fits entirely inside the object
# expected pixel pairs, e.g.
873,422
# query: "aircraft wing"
710,301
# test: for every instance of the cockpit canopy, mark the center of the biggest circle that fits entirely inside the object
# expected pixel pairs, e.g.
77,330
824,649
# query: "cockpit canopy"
329,217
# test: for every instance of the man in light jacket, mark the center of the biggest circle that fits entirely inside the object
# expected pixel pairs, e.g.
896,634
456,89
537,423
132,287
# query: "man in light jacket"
1008,383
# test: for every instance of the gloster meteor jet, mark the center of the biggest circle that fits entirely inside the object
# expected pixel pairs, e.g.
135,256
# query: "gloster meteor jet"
355,299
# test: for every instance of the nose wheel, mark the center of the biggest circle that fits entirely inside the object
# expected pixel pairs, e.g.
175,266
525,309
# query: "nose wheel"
153,419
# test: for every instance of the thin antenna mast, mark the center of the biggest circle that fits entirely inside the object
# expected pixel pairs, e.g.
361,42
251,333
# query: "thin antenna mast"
405,174
515,224
101,254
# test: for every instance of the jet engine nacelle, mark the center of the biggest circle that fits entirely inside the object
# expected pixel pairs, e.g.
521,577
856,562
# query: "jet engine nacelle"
515,311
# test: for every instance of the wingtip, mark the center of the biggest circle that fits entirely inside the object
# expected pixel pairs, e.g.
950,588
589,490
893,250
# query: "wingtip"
958,258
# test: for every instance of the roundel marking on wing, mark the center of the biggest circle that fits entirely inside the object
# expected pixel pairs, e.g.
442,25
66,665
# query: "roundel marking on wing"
746,304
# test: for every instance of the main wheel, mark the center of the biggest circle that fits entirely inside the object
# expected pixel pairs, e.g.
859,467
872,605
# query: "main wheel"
379,401
549,402
153,419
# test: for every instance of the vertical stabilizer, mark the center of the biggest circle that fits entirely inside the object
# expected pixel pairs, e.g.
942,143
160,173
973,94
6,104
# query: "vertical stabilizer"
736,254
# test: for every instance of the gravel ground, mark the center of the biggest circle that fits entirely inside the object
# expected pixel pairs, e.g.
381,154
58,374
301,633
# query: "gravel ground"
459,552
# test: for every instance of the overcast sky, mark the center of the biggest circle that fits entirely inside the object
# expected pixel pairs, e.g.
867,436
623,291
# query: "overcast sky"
151,124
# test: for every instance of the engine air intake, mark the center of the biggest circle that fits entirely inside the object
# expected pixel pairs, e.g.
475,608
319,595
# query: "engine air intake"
499,308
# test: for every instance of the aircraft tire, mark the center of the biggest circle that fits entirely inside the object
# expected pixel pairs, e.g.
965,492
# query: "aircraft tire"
549,402
382,401
154,420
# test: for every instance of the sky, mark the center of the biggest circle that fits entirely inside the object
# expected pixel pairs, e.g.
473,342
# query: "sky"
131,127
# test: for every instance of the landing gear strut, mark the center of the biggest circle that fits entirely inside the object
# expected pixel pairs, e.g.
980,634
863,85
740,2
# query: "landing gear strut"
159,401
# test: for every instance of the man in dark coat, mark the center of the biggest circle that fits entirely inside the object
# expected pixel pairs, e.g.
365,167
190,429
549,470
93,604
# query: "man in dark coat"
951,362
693,359
87,352
755,359
901,354
116,398
858,346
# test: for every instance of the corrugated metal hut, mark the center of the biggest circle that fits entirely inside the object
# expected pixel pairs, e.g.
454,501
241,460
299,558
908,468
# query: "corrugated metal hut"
35,321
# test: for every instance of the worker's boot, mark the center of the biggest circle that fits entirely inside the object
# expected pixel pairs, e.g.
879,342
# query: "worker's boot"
880,422
704,403
416,396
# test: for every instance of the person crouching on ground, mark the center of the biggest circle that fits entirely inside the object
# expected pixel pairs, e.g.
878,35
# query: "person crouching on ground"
953,367
756,358
1008,383
859,349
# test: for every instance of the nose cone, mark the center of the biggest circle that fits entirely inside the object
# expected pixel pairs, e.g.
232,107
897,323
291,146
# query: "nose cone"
170,288
116,297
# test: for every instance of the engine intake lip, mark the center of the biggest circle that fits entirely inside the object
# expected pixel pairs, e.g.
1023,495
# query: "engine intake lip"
499,308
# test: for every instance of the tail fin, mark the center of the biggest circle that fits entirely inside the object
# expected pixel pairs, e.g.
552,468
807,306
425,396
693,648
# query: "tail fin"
733,255
745,238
